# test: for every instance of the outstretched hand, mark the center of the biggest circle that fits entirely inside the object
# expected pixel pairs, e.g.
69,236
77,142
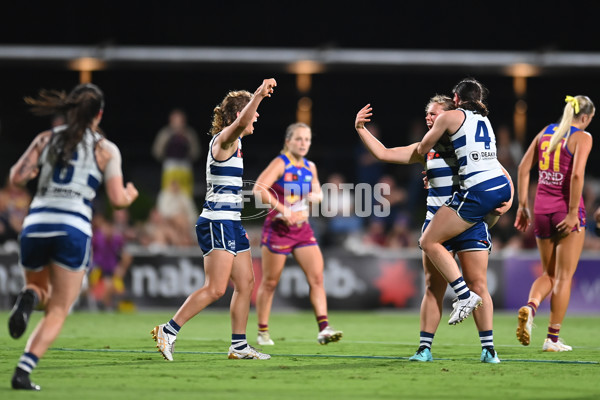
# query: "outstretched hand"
363,116
267,88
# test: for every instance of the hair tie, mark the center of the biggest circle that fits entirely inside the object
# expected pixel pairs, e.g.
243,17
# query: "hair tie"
574,102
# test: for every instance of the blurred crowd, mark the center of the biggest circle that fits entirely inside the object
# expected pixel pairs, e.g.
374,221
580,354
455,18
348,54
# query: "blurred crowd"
346,217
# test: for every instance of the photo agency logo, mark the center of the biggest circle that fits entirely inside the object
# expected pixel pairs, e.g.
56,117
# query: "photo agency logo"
254,207
226,199
336,200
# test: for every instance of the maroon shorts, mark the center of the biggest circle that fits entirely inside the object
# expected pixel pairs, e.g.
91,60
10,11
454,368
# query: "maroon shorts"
545,224
283,239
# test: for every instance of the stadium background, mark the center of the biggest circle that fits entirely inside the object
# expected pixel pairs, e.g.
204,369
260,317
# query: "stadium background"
139,95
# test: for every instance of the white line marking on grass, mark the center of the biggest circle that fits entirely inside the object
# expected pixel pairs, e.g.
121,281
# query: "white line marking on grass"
323,356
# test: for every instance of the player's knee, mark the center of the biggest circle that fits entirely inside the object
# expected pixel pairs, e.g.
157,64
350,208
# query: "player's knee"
269,285
215,292
247,285
477,286
425,243
435,286
57,311
316,281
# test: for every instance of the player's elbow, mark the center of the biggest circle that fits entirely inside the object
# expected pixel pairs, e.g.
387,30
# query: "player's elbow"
120,201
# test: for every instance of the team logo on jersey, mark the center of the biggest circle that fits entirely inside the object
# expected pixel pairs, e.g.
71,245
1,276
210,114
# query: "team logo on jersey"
431,155
290,177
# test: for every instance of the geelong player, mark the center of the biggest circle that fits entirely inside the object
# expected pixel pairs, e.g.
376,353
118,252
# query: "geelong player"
560,152
71,162
472,246
221,236
288,184
483,185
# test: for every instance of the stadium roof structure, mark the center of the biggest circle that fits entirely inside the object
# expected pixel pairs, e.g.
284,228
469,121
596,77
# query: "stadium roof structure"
302,60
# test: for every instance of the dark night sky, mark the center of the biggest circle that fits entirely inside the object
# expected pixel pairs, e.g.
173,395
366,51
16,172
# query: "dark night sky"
484,25
139,98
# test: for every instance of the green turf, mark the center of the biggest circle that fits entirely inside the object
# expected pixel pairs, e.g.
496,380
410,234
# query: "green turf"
112,356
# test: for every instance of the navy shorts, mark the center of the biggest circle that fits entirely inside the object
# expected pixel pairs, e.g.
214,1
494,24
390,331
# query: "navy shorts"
475,238
65,246
473,206
221,235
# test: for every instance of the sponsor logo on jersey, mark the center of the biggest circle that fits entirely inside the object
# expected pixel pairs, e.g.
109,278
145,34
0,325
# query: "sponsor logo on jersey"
482,155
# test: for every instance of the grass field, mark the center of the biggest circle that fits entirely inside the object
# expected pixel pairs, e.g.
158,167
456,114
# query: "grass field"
112,356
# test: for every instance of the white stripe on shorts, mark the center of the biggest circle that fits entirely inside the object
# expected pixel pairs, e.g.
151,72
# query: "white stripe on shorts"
223,237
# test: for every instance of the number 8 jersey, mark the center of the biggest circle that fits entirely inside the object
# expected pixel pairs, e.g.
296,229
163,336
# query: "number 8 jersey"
475,147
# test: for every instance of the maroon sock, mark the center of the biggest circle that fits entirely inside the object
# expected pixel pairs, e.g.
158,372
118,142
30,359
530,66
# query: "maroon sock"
533,308
322,321
553,334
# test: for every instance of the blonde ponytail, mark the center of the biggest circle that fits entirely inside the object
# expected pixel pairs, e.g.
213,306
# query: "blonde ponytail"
575,107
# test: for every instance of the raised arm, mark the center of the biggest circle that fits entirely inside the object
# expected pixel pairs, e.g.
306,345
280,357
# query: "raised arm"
231,133
397,155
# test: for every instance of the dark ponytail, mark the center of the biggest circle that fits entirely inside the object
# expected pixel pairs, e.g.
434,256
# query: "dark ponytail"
80,108
472,95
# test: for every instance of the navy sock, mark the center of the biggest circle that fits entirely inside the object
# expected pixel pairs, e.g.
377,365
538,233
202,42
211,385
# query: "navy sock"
460,288
238,341
171,328
425,339
487,339
27,363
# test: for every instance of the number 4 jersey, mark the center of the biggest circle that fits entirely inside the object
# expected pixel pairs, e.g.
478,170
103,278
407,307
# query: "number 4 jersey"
475,147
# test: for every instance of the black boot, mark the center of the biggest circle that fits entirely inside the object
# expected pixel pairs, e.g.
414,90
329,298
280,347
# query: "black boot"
20,380
19,316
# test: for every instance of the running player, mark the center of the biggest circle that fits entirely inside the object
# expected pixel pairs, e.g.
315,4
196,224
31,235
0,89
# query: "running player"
71,161
221,236
560,152
288,184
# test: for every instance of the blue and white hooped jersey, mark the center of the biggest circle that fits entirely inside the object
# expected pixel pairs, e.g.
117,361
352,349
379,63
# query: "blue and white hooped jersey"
224,183
475,147
442,175
64,194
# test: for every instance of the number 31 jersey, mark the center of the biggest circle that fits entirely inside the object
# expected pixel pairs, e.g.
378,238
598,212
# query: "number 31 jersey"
554,174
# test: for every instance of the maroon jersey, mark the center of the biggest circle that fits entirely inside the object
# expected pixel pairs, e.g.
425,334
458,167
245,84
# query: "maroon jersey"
554,175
